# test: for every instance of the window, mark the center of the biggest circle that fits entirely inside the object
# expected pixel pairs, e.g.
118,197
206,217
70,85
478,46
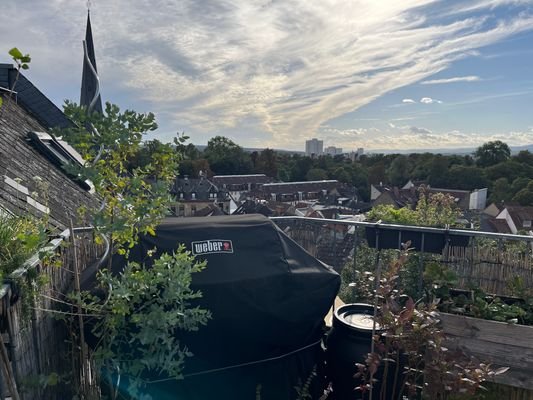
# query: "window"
527,223
57,150
60,153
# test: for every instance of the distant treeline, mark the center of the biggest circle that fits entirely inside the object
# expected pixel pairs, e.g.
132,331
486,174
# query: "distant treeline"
508,177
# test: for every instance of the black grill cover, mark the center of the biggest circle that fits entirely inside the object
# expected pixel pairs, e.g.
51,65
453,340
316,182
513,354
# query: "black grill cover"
268,297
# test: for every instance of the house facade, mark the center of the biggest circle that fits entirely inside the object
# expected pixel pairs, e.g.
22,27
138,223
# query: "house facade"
237,185
194,195
515,219
291,192
407,196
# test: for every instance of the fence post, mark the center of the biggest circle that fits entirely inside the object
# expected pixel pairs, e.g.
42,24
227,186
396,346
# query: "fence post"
421,266
354,264
335,263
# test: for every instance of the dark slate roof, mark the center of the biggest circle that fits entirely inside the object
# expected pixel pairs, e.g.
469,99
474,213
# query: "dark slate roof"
254,207
200,187
240,179
398,197
519,214
498,226
209,211
294,187
32,99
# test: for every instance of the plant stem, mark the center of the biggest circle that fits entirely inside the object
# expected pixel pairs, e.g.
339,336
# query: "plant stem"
84,359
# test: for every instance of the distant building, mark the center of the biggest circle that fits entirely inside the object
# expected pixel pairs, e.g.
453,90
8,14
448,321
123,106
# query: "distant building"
407,196
354,155
516,218
297,191
193,195
236,185
333,151
314,147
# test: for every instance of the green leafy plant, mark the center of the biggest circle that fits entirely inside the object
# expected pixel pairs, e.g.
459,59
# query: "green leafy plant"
20,238
22,61
133,200
136,326
432,209
411,348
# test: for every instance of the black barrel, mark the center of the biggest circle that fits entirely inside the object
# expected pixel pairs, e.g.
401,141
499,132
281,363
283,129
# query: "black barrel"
349,343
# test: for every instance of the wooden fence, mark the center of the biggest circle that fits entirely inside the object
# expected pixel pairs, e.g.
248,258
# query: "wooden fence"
491,269
37,340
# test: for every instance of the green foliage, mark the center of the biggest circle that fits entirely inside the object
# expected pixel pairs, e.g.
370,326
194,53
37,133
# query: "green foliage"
316,174
20,238
134,199
389,214
492,153
466,178
22,61
436,209
137,324
525,196
227,158
266,163
411,335
433,209
399,171
501,190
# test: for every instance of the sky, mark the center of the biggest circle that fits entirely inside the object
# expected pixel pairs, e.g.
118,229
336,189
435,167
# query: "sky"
377,74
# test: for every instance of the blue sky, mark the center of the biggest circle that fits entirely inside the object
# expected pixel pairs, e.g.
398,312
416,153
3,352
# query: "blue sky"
387,74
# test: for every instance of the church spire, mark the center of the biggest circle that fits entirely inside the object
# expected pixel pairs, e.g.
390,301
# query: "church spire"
90,83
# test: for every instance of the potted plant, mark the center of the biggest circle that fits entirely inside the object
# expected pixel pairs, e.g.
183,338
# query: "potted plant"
435,210
492,328
410,347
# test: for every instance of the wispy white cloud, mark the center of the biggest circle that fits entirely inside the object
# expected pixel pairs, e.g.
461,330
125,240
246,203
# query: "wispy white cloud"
470,78
257,71
409,101
429,100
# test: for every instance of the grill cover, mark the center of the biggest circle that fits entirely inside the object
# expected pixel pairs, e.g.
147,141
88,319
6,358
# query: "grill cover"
268,297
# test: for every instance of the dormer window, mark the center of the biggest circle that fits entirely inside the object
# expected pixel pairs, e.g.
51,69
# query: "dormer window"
527,223
193,195
60,153
181,195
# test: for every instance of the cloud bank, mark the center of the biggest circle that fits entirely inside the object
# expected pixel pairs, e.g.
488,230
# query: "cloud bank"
266,73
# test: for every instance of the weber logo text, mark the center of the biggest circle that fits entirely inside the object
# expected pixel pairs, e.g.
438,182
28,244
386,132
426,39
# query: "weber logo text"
212,246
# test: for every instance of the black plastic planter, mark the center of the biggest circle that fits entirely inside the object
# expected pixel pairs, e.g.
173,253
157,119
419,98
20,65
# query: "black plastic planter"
382,238
429,242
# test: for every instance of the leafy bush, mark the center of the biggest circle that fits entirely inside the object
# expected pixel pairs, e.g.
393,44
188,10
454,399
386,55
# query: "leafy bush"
20,238
411,348
432,209
136,326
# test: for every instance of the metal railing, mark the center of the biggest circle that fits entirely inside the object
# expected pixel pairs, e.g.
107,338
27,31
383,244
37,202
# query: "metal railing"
489,264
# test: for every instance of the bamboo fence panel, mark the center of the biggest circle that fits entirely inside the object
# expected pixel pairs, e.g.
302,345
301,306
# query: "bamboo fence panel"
38,342
490,269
